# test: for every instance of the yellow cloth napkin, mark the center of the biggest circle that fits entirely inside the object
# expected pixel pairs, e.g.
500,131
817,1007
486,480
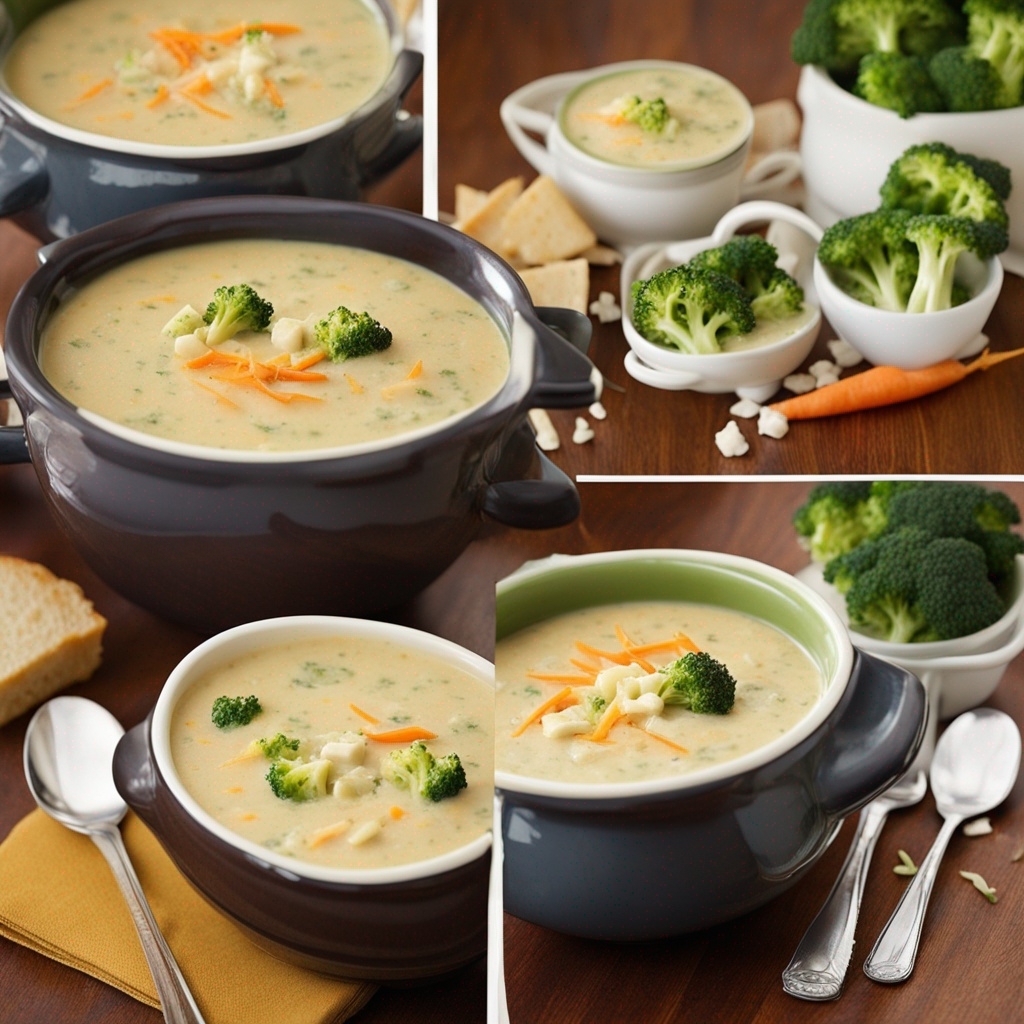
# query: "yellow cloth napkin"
58,897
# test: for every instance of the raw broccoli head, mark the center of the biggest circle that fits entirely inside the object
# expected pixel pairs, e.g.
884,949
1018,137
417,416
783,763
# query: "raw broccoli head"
876,508
955,594
831,521
898,82
228,712
699,683
940,241
935,178
870,258
691,309
415,768
748,259
995,32
343,334
235,308
952,509
278,746
966,81
782,297
298,780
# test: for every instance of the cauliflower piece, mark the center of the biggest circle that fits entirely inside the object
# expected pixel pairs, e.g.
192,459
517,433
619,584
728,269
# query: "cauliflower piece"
646,704
978,827
745,408
825,379
583,432
547,436
799,383
822,368
256,56
598,411
186,321
844,354
354,783
252,87
569,722
730,441
190,346
605,308
348,750
772,423
365,832
607,681
289,334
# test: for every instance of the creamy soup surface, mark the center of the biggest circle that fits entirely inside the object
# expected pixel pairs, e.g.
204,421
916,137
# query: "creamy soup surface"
103,348
712,116
184,74
307,691
767,332
777,686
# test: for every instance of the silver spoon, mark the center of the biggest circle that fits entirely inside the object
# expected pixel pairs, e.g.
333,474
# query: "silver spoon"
69,750
974,768
818,967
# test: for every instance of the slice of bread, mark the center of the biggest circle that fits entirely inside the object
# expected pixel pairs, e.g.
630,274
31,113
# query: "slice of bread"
50,636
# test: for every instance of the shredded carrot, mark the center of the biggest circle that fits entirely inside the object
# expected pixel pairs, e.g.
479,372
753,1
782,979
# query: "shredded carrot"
323,835
687,644
396,813
227,36
623,637
249,817
311,360
611,715
206,106
92,91
198,86
884,385
409,734
542,709
290,373
162,94
235,789
661,739
275,28
416,371
559,677
223,399
167,39
663,647
273,95
617,657
365,715
353,385
284,359
585,666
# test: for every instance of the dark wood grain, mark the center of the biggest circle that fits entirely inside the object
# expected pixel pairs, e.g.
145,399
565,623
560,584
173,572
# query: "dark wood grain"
490,49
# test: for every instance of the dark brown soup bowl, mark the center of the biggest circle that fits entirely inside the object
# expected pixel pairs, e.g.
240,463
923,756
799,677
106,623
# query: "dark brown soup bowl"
392,924
213,537
56,180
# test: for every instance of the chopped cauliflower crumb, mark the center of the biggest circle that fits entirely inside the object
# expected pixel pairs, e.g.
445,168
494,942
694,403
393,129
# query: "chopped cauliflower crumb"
605,308
822,368
547,436
598,411
844,353
799,383
745,408
825,379
583,432
978,827
730,440
772,423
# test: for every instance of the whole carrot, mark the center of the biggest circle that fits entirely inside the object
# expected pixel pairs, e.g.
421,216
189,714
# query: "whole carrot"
884,385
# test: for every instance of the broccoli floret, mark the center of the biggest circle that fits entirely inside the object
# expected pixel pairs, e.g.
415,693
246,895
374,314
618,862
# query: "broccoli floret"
870,258
343,334
229,712
298,780
691,309
236,308
277,746
940,241
899,83
955,594
699,683
966,81
996,174
593,705
650,115
831,521
876,508
935,178
749,260
1001,550
952,509
782,297
837,33
995,32
415,768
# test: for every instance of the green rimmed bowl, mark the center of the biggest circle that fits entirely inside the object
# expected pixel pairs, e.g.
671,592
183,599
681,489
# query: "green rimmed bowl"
590,859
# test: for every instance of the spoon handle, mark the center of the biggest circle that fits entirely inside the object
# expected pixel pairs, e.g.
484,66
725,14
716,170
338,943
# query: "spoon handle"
818,967
892,958
175,999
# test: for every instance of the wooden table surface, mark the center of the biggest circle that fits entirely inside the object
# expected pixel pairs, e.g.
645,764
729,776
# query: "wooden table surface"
489,49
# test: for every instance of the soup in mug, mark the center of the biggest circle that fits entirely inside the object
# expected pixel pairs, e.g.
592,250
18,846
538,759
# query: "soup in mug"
352,702
104,348
194,73
615,651
709,118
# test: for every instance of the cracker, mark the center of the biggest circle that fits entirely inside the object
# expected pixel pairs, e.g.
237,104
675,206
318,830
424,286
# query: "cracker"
541,226
561,283
468,200
485,224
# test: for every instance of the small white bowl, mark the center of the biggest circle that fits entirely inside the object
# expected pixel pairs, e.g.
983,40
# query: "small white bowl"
631,205
754,373
912,341
847,145
957,674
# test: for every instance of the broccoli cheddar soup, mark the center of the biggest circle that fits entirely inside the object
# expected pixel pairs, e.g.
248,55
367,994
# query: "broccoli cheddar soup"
347,752
194,73
629,692
663,117
131,345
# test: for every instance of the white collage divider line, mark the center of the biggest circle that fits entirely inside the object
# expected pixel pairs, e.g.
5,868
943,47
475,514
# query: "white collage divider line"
783,478
430,176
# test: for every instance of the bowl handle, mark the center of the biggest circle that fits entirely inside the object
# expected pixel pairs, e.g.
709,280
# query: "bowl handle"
880,726
540,504
24,182
407,133
772,172
531,108
135,773
13,447
564,377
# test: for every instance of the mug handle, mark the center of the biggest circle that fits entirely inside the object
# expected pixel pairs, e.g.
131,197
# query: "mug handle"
758,212
408,129
13,446
772,172
564,376
531,108
550,500
24,182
